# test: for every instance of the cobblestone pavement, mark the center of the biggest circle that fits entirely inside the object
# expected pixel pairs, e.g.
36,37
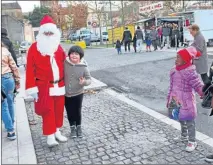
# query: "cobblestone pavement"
115,133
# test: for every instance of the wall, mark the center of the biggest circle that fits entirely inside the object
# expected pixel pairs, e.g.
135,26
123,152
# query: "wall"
14,28
17,13
28,33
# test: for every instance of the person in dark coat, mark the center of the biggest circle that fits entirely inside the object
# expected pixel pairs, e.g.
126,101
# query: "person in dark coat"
181,35
170,34
209,158
175,32
118,46
127,38
135,43
154,37
8,43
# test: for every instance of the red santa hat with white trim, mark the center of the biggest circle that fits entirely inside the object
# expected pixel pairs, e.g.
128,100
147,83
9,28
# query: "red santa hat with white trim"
47,24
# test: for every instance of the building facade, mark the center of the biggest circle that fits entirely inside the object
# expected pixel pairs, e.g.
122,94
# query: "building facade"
12,9
15,28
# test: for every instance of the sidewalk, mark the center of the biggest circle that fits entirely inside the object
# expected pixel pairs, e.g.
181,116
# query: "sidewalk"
21,150
118,131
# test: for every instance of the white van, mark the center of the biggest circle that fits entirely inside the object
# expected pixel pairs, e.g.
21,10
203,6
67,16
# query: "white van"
204,19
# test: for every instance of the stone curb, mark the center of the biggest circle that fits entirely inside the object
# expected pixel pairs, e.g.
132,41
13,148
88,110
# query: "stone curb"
26,151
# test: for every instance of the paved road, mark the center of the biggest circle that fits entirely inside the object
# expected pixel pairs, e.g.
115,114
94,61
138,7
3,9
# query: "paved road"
143,77
115,133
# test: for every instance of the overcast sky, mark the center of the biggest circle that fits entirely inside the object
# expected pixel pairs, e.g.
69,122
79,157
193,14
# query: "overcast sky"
26,6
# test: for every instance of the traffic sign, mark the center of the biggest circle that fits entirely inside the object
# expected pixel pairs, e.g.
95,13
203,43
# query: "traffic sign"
94,24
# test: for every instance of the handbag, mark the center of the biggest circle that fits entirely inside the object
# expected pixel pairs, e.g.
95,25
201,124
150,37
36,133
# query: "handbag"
206,103
174,110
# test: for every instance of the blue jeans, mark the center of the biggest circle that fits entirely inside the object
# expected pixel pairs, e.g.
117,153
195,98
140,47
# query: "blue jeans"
119,50
8,86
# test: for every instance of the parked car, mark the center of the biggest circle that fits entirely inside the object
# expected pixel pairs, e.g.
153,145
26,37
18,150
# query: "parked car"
24,46
105,36
73,37
94,37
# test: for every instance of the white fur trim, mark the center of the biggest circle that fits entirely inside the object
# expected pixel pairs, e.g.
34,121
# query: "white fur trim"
48,27
32,90
55,68
57,91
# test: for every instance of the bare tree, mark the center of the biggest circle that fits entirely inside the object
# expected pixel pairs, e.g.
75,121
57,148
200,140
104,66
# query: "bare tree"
99,16
79,15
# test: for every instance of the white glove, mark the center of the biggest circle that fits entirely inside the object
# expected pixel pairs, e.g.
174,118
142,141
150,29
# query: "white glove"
35,96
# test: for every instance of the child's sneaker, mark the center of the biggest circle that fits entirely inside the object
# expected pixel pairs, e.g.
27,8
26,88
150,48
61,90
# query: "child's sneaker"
209,158
79,131
11,135
73,131
181,139
191,146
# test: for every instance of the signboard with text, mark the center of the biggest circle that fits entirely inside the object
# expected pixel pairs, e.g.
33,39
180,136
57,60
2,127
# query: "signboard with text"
151,7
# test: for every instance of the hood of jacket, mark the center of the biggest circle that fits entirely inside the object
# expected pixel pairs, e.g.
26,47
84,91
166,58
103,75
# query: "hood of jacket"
5,51
82,62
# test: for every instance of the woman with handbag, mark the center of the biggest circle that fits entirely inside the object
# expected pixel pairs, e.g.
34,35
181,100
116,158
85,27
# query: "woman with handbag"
183,82
10,80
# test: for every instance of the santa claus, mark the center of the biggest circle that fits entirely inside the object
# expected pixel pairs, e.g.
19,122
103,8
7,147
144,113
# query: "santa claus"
45,79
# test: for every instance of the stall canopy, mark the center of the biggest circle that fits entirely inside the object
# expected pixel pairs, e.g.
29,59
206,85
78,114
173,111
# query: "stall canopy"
143,20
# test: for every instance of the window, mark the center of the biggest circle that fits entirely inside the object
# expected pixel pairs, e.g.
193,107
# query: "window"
105,33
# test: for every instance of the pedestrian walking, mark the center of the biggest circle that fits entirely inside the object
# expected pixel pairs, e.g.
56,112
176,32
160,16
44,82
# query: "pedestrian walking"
127,38
77,76
45,79
135,43
175,40
201,62
139,38
8,44
154,37
170,33
118,46
160,37
184,80
148,41
10,80
181,35
165,33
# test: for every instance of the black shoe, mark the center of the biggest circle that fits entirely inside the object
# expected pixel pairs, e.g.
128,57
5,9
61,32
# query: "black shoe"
73,131
79,131
11,135
209,158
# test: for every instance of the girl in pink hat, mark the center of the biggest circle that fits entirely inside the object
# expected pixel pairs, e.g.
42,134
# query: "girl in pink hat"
184,81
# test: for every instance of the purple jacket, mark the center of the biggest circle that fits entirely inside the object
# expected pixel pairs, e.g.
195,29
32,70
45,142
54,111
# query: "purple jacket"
183,83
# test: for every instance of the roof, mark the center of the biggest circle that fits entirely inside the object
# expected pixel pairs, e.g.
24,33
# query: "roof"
13,5
144,20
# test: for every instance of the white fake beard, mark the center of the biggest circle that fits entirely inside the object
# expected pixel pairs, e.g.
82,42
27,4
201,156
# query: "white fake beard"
48,45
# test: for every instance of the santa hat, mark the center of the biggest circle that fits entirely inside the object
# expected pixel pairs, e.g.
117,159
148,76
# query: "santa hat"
189,53
47,24
46,19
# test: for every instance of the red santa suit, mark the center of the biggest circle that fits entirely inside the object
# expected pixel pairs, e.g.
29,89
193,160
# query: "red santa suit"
45,75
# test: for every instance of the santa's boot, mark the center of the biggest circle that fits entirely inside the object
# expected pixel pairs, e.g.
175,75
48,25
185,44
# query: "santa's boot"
51,140
60,137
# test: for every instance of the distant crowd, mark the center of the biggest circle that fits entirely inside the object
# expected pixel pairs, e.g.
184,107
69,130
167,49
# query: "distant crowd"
167,34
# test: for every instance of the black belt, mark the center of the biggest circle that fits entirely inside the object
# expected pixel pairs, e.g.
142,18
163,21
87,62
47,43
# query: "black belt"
52,82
